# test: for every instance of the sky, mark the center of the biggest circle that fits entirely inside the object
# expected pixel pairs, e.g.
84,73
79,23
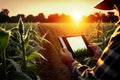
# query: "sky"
47,7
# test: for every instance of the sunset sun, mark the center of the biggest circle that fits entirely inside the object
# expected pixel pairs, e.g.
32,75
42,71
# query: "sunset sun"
76,16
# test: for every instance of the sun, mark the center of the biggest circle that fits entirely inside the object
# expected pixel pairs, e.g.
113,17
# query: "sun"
76,16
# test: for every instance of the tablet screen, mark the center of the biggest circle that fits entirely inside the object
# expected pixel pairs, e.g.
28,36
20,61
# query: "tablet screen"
77,45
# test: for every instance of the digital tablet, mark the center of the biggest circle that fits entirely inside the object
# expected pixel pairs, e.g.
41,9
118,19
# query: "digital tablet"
77,45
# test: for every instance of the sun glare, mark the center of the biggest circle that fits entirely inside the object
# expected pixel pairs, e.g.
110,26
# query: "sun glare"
77,16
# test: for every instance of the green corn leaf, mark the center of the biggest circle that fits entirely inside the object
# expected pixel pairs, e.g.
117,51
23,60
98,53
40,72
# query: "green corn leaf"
16,58
33,32
15,65
14,29
34,42
34,56
4,39
34,69
27,32
34,49
18,76
17,49
43,40
26,42
21,26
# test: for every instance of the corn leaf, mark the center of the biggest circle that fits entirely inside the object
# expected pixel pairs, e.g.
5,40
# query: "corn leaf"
34,49
34,69
18,76
34,56
21,26
15,65
26,42
4,39
33,32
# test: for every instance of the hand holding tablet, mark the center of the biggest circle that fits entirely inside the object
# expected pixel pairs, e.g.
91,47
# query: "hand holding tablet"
77,45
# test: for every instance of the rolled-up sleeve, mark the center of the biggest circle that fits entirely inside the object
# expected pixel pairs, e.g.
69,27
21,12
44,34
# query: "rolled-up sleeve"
79,71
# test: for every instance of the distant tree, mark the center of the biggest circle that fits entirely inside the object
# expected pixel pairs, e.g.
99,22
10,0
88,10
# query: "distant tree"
21,15
104,17
59,18
14,19
91,18
30,18
65,18
53,18
5,12
97,16
112,17
4,15
40,18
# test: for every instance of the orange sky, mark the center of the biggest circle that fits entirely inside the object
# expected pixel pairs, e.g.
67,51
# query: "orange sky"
48,6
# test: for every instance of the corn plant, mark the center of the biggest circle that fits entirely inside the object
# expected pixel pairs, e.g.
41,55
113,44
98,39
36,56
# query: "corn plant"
101,34
4,39
18,50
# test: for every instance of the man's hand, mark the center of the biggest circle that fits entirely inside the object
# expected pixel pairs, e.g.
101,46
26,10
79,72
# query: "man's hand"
97,51
66,56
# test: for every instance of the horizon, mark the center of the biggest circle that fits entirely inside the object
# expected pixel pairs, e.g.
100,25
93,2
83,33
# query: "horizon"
85,7
74,8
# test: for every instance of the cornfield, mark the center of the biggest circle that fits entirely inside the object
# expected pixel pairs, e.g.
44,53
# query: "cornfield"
30,51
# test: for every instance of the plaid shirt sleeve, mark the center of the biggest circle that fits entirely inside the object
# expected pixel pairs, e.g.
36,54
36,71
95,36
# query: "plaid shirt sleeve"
108,65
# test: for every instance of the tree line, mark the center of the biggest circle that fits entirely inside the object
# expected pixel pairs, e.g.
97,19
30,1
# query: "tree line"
4,17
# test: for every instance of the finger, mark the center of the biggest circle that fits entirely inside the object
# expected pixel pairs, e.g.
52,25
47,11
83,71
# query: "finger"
92,46
64,49
61,51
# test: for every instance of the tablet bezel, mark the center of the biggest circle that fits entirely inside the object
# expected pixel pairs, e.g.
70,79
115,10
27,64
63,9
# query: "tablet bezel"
65,44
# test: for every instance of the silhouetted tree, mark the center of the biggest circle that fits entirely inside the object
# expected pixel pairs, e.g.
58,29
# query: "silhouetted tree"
4,15
53,18
40,18
112,17
104,17
14,19
30,18
65,18
91,18
21,15
5,12
97,16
